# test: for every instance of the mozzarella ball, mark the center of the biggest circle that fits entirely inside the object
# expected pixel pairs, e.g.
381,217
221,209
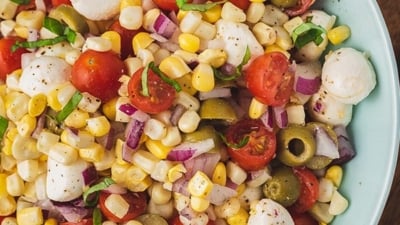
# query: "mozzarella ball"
97,9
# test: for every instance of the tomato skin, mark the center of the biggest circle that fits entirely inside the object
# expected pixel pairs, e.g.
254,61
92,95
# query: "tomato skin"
308,191
126,38
9,61
161,97
82,222
97,73
169,5
304,219
250,157
268,78
137,206
56,3
243,4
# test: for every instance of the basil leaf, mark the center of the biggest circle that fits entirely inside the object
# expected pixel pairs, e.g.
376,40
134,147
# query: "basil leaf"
306,33
95,189
243,142
3,126
69,107
145,88
97,217
21,2
183,5
166,79
38,43
70,34
53,25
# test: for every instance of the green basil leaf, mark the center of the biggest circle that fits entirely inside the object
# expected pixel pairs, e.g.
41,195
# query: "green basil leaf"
38,43
95,189
166,79
21,2
183,5
145,87
53,25
97,217
69,107
243,142
306,33
3,126
70,34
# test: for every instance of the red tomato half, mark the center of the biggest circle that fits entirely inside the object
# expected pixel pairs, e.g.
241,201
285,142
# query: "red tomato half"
309,189
243,4
260,148
126,38
82,222
60,2
269,79
97,73
161,94
9,61
176,221
169,5
137,206
304,219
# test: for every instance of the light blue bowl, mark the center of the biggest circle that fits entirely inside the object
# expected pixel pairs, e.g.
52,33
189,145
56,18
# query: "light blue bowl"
375,125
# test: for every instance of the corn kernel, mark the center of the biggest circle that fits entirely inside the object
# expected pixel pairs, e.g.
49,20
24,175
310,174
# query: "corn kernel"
176,172
89,103
117,205
256,109
335,174
30,216
339,34
50,221
205,31
126,3
63,153
159,195
52,100
264,34
292,24
118,172
145,160
7,206
232,13
212,15
213,57
189,42
203,77
9,221
200,185
338,204
141,40
219,174
14,184
173,136
98,126
135,175
26,125
187,100
235,173
30,19
174,67
92,153
276,48
115,40
131,17
255,12
81,139
199,204
98,44
240,218
77,119
109,109
186,84
283,38
157,148
3,185
190,22
8,10
160,172
189,121
141,186
37,104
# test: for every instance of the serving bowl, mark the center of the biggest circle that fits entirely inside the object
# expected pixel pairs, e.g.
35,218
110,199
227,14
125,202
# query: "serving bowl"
375,126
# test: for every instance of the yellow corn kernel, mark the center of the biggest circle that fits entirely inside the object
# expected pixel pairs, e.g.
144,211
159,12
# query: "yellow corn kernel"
276,48
255,12
119,145
21,31
30,216
37,104
181,14
82,139
141,186
126,3
292,24
30,19
173,136
203,77
190,22
109,108
63,153
14,184
199,204
26,125
189,42
335,174
12,133
186,84
8,205
159,195
77,119
135,175
157,148
265,34
45,140
16,105
52,100
256,108
50,221
206,31
212,15
174,67
3,185
176,172
322,223
131,17
145,160
98,126
118,172
189,121
232,13
283,38
43,158
240,189
98,44
89,103
8,10
240,218
214,57
115,39
141,41
257,1
7,146
200,185
339,34
92,153
9,220
117,205
219,174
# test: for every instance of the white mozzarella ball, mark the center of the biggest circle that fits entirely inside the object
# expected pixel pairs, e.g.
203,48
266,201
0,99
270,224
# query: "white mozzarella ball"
97,9
43,74
267,212
348,75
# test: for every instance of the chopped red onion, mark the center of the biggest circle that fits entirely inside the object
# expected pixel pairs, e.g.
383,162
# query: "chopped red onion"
158,37
346,149
89,175
307,77
133,132
127,152
230,184
176,114
218,92
164,26
267,118
180,186
325,145
40,5
281,116
189,150
205,162
307,86
219,194
115,189
41,121
128,109
116,131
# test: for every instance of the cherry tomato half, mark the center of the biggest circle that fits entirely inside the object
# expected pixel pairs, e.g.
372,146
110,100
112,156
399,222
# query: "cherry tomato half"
56,3
126,38
97,73
161,94
303,219
169,5
82,222
269,79
309,189
259,149
137,206
243,4
9,61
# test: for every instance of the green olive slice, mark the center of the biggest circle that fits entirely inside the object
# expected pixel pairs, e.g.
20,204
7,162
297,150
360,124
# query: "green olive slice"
219,109
284,3
69,16
296,145
203,133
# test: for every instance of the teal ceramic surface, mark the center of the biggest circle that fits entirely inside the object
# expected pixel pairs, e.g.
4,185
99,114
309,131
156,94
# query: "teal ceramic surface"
375,125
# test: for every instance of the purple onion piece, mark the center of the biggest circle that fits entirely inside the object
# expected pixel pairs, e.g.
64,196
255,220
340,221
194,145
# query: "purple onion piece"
176,114
281,116
164,26
267,118
89,175
127,108
205,162
346,149
307,86
133,132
